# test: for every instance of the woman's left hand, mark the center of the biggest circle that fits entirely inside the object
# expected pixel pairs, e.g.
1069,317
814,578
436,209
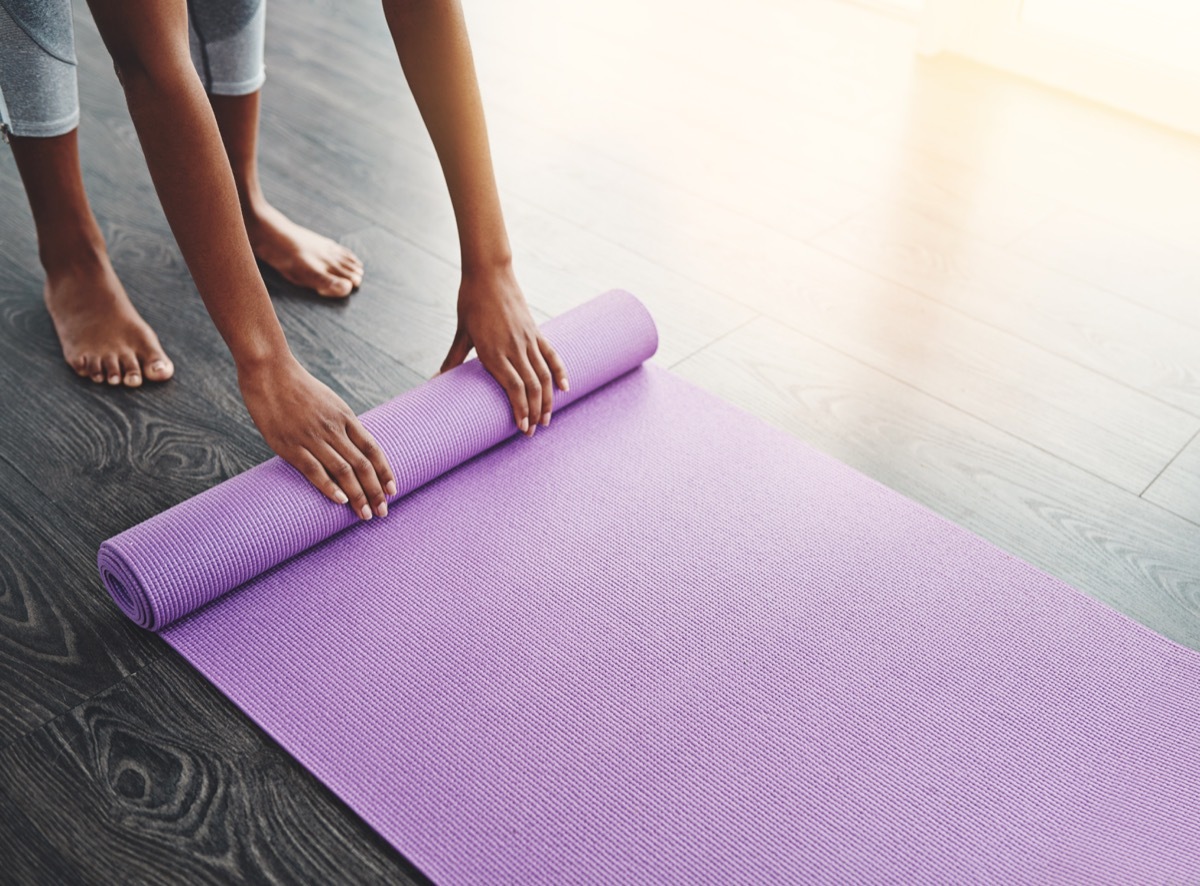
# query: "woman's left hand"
494,319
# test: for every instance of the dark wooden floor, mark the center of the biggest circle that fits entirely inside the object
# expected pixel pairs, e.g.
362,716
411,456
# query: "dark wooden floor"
983,293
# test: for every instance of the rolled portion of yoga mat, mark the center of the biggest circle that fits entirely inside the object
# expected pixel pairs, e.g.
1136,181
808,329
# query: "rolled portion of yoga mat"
178,561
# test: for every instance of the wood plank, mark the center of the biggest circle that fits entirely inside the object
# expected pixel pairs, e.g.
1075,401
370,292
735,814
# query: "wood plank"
61,639
161,779
1177,488
1091,326
1103,426
1106,542
28,858
1119,259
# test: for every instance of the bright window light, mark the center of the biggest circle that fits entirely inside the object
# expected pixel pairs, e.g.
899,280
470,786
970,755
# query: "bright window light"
1164,32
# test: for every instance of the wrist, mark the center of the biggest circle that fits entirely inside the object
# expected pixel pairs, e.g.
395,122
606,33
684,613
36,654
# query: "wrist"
254,358
490,265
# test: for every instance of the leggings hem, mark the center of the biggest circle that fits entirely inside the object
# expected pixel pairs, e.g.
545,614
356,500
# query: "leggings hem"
48,129
243,87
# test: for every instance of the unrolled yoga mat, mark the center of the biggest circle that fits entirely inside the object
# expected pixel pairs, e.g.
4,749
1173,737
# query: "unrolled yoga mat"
661,642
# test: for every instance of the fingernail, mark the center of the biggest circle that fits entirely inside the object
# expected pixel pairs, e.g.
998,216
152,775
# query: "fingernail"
546,420
391,487
566,386
366,512
341,497
524,426
382,509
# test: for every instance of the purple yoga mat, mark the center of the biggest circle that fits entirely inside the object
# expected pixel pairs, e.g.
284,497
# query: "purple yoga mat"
662,642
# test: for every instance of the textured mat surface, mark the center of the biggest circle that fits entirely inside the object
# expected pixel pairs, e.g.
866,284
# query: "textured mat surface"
663,642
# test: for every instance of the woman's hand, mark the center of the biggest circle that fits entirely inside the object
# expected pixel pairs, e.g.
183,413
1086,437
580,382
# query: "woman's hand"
494,320
312,429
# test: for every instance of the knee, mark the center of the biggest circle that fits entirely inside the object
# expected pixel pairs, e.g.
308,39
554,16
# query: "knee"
140,70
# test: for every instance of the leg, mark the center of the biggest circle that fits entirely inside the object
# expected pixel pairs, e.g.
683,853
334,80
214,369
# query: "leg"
226,40
300,418
301,256
102,335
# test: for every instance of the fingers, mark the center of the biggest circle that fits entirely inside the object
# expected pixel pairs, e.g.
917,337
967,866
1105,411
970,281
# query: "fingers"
345,475
316,474
545,402
557,368
459,348
360,437
514,386
533,394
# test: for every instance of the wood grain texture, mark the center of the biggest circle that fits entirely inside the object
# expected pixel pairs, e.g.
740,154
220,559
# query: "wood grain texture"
160,779
61,639
1103,540
1120,259
1177,488
1131,340
27,857
954,280
1090,420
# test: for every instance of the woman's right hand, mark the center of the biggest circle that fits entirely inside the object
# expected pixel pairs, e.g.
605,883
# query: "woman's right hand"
312,429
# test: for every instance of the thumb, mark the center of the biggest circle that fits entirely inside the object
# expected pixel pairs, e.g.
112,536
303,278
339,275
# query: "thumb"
459,348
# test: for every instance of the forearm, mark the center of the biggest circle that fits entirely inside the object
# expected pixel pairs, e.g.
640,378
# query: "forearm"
435,53
187,164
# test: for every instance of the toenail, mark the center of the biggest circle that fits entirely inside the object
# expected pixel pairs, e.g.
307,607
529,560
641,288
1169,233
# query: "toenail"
114,379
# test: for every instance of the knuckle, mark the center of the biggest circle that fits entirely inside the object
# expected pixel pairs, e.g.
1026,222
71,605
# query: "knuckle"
342,471
362,465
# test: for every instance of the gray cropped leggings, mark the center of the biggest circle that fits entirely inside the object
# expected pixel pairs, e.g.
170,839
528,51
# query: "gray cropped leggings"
39,94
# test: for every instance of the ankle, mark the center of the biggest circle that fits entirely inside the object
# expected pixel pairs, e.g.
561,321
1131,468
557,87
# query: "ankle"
72,251
254,205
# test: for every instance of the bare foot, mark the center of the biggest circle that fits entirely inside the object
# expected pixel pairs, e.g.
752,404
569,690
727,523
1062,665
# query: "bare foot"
102,335
302,256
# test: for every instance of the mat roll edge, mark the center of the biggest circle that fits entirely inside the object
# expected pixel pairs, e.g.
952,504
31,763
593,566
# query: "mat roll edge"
176,562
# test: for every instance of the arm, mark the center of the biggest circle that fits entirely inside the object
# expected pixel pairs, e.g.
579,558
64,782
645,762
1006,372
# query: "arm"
431,41
301,419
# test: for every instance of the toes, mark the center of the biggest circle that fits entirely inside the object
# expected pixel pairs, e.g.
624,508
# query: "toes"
131,371
80,365
94,370
158,367
353,273
349,259
333,287
111,367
